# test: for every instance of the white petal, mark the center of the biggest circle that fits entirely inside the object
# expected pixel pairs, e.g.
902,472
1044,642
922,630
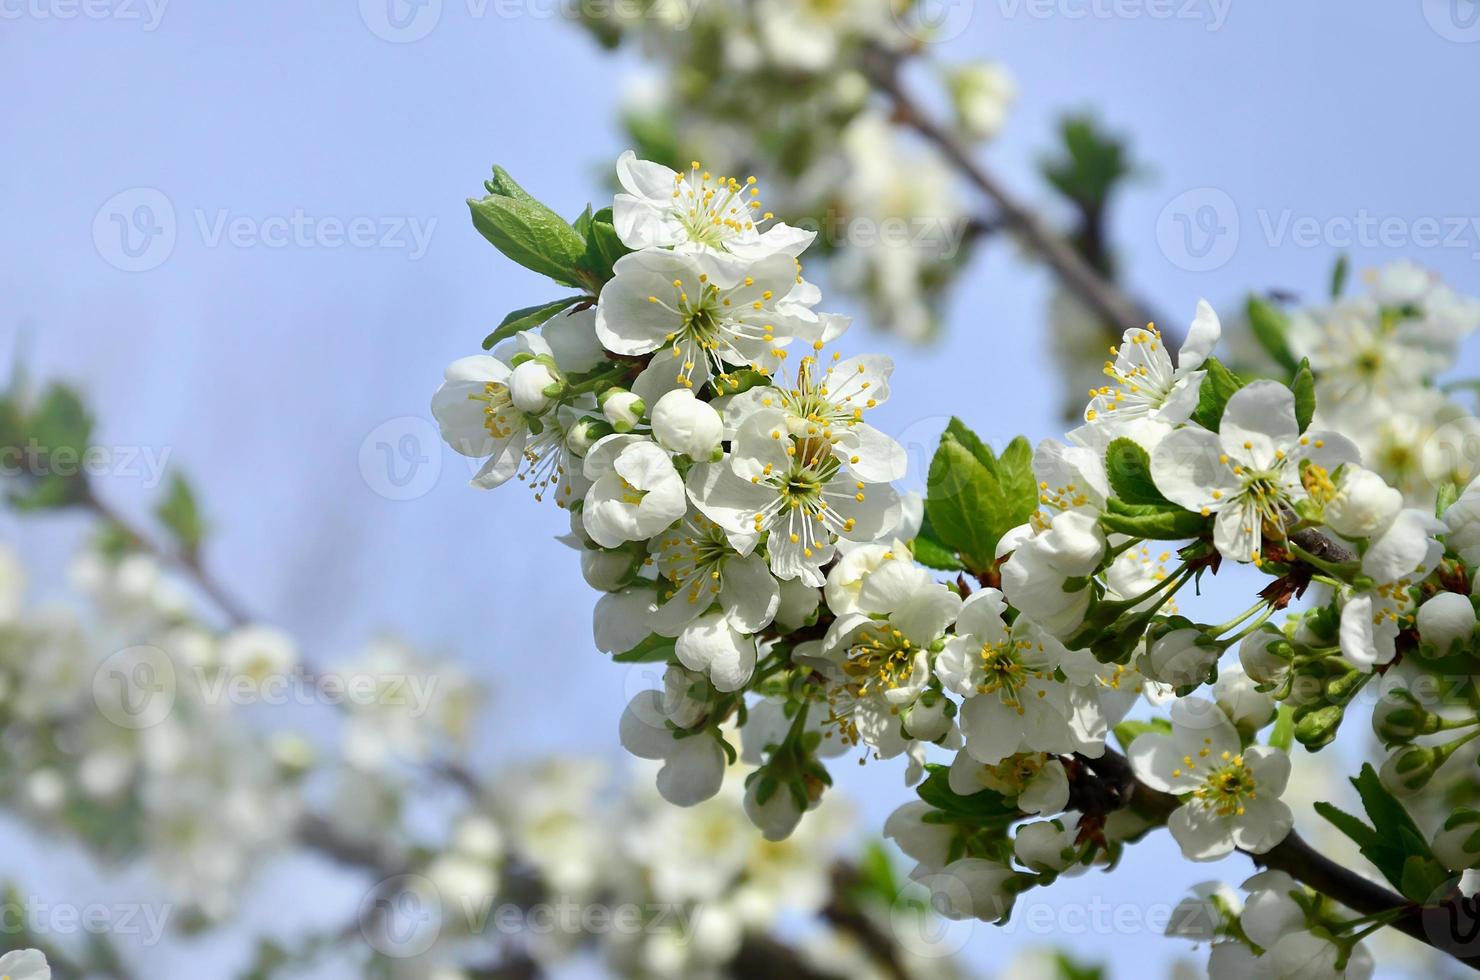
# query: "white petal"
1259,420
1201,834
1186,468
1202,337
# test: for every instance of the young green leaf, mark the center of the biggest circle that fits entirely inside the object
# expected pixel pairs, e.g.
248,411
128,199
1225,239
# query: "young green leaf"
1129,468
982,809
1304,387
179,512
1271,327
655,649
1218,386
530,234
1338,275
1155,522
502,185
965,504
529,318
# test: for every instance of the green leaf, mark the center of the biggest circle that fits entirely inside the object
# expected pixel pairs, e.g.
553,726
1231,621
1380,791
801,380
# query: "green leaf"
530,234
1393,843
1338,275
964,503
603,247
1218,386
1448,494
503,185
959,431
1271,327
973,497
53,438
179,512
1128,731
1015,474
1361,834
1129,468
655,649
933,554
986,807
1304,387
1164,522
529,318
1092,163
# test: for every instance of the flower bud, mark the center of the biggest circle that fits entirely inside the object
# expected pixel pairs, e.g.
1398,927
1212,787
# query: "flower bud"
1047,845
981,93
1179,655
622,408
684,424
1073,544
1399,718
1317,728
1444,620
586,433
534,386
929,718
1265,655
779,815
1363,503
608,570
1457,845
1409,769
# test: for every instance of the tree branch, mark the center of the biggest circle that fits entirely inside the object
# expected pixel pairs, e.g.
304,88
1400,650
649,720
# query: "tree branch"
1450,927
1102,296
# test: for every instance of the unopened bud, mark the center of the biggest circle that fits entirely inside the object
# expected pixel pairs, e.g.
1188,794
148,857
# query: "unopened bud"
1410,768
1315,729
586,433
1399,718
1457,845
622,408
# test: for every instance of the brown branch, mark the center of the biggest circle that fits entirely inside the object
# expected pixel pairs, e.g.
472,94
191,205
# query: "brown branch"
1103,297
1450,927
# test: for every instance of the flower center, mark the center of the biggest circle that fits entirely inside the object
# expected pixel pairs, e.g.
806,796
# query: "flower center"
880,659
499,414
714,210
1227,788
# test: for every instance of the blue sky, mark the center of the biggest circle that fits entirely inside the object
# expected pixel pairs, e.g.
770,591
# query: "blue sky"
273,369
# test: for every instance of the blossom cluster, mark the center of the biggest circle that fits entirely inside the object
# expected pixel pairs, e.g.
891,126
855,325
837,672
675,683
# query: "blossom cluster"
730,497
785,88
159,762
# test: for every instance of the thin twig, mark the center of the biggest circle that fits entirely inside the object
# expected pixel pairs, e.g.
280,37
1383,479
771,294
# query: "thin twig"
1103,297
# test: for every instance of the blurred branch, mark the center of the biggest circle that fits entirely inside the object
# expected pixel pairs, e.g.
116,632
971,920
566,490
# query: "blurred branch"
189,564
1102,296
